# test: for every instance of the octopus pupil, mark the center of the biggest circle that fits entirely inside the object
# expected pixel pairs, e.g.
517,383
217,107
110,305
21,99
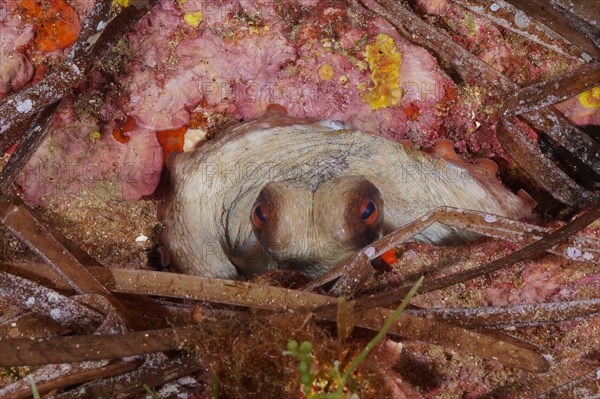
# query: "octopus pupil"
260,215
369,209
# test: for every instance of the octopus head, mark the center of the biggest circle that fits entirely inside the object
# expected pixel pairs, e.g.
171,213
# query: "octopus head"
311,230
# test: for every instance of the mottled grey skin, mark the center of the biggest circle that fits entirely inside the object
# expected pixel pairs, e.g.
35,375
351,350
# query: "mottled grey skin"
313,168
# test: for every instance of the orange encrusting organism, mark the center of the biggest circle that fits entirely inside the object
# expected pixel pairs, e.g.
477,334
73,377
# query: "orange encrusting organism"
127,126
412,112
11,149
389,257
56,23
171,140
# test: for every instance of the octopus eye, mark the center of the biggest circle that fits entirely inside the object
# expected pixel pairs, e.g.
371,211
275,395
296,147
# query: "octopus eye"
368,211
258,216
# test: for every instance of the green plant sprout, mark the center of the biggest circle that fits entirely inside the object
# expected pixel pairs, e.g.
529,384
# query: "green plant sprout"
303,353
34,390
304,356
151,392
214,385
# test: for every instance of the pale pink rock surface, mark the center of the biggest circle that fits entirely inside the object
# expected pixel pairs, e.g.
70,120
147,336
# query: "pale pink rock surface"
15,68
578,113
71,160
15,71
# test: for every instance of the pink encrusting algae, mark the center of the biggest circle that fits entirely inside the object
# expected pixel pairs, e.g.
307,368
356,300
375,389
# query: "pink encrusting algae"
237,61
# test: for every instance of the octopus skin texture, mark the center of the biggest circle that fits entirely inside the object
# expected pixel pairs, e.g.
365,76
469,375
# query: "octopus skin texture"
301,194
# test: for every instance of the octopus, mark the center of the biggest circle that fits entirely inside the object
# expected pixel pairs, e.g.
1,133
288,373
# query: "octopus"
303,194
